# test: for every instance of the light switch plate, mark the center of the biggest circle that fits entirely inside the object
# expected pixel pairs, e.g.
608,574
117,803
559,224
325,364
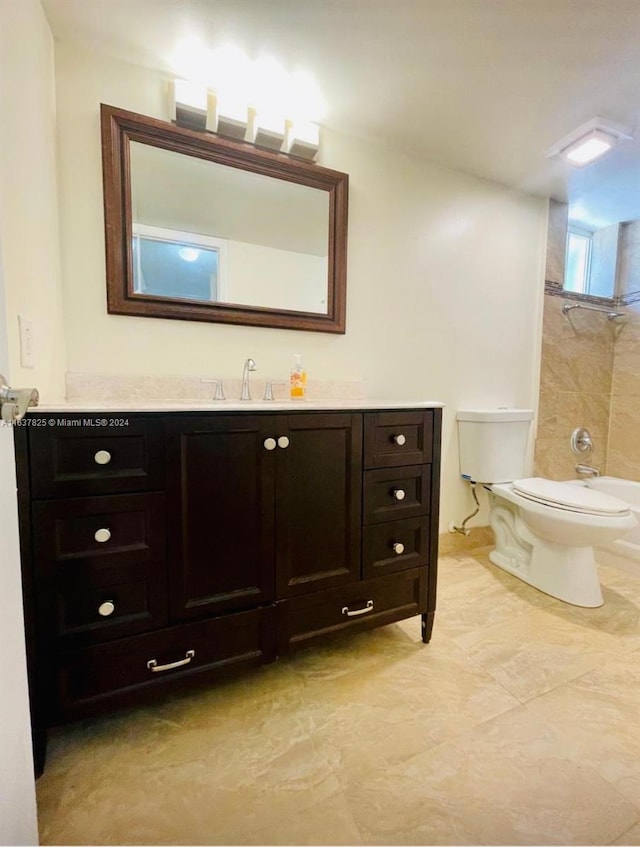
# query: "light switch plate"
27,352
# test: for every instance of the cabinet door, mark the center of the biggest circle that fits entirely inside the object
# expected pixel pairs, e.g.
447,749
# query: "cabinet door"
221,514
318,502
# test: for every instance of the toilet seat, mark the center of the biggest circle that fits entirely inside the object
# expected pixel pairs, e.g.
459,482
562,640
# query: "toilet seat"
572,498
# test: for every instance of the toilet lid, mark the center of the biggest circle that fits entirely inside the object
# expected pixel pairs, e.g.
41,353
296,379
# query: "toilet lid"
574,497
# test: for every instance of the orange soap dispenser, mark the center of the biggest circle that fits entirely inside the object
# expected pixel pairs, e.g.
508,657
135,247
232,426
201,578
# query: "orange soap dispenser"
298,384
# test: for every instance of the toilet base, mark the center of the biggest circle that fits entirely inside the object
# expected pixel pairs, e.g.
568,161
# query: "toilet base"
566,573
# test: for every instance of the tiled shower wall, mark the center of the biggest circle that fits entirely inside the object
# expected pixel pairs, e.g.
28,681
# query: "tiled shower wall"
590,373
623,455
575,387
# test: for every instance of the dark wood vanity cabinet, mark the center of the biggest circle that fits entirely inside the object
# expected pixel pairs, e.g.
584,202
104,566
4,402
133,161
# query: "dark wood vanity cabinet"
261,508
175,547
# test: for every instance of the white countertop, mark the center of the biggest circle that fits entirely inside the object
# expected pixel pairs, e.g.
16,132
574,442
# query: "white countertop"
99,406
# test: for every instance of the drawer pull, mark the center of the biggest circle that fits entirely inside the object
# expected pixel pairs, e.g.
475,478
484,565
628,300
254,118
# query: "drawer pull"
283,442
269,444
102,535
352,614
399,493
102,457
107,608
400,440
398,548
153,665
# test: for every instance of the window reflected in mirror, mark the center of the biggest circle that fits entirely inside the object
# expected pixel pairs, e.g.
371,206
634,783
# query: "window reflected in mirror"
178,265
576,277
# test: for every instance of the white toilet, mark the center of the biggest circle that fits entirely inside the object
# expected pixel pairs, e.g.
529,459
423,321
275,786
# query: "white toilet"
545,531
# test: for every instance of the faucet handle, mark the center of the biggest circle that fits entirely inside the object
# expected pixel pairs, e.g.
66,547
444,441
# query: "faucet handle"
581,440
219,392
268,389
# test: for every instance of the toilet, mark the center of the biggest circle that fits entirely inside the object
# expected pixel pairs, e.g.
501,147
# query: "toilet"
545,530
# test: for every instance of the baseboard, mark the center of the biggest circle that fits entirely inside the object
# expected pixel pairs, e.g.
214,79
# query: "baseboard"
450,543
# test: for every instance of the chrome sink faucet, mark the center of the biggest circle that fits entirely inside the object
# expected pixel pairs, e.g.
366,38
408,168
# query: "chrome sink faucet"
249,366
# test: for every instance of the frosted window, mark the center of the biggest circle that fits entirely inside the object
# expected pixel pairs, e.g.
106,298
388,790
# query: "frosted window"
577,264
171,264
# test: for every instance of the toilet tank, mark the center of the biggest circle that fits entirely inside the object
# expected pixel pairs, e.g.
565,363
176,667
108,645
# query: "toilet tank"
493,443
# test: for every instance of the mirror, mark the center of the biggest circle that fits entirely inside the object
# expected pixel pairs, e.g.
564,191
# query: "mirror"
597,229
204,228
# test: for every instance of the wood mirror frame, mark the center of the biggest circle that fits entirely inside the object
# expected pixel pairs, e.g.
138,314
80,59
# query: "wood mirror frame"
119,127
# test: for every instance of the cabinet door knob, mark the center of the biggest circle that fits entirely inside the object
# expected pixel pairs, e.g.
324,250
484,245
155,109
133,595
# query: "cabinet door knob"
283,442
102,457
399,493
269,444
102,535
398,548
107,608
399,439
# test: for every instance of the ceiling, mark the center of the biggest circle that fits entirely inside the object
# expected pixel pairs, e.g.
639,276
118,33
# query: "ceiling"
482,86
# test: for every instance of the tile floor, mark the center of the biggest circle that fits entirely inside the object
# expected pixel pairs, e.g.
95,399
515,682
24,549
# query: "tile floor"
518,724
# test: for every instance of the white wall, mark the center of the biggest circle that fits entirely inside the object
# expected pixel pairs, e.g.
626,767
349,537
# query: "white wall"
29,276
629,265
18,823
604,261
28,194
445,275
277,279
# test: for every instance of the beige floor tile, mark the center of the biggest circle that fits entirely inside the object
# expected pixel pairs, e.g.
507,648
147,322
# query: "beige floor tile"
458,570
495,785
595,721
489,596
377,738
237,717
411,703
180,805
622,582
204,788
631,836
619,616
537,650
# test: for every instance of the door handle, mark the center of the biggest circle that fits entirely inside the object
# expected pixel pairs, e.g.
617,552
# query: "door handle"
14,402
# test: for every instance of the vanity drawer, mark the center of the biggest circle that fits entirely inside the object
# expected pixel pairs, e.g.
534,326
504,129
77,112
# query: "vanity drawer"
78,573
119,672
394,546
70,460
397,438
89,611
396,493
373,602
106,530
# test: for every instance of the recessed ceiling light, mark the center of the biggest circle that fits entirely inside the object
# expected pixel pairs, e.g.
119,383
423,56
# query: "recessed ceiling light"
589,142
188,254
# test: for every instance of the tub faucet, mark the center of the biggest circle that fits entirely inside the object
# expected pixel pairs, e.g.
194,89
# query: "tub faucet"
249,366
586,469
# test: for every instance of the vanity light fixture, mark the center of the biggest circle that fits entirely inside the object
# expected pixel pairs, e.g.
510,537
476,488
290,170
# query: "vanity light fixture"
269,130
194,107
229,116
589,142
189,104
303,140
